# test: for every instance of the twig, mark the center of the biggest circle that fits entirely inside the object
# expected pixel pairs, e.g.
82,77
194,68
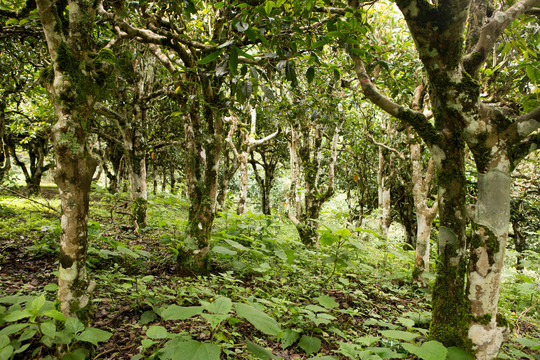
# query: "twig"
30,199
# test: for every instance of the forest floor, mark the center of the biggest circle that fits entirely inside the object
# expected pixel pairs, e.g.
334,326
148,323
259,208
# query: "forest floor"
350,299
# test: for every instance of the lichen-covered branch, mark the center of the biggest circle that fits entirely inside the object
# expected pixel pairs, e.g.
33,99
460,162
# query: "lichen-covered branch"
414,118
491,32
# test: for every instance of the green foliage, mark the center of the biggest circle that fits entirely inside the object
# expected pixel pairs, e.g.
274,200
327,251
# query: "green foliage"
32,325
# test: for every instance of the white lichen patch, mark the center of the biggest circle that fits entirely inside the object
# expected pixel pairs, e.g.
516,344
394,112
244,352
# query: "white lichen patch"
487,340
500,17
526,127
68,274
482,264
446,238
493,206
63,221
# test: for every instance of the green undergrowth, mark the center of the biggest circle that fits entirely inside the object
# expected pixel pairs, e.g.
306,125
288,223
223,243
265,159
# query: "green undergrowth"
267,296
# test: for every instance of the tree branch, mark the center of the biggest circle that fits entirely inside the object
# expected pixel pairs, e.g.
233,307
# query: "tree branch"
527,146
414,118
491,32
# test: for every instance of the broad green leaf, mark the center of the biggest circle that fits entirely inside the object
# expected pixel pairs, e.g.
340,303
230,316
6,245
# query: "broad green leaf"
4,341
327,238
259,352
124,250
93,335
215,319
55,314
222,250
431,350
157,332
528,343
175,312
385,353
179,349
406,322
289,337
12,21
455,353
222,305
210,58
17,315
13,328
399,335
327,301
260,320
27,334
38,302
74,325
233,61
6,352
310,74
309,344
48,328
147,317
323,358
316,308
343,232
532,74
368,340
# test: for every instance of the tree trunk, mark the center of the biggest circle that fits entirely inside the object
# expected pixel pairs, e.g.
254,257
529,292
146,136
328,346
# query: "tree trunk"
490,231
74,170
5,163
202,166
383,182
242,158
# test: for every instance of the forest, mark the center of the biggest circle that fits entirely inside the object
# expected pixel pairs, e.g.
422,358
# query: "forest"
269,179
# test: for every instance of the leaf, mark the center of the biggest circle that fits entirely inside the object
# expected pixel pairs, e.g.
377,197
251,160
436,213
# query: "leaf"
12,21
309,344
289,337
175,312
431,350
13,328
323,358
368,340
290,73
147,317
222,305
310,74
178,349
38,302
406,322
399,335
74,325
528,343
157,332
17,315
233,61
222,250
259,352
6,352
48,328
4,341
455,353
327,301
260,320
215,319
55,314
210,58
93,335
532,74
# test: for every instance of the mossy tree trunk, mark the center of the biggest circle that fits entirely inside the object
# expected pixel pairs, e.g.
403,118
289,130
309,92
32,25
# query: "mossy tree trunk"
384,175
204,142
68,27
466,290
306,153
